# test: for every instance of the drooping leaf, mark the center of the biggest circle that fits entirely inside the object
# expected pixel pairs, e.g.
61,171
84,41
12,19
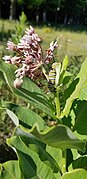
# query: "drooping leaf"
59,136
75,174
80,111
29,91
77,93
10,170
31,158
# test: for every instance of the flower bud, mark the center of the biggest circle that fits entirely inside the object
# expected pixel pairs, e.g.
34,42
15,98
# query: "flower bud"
10,46
18,82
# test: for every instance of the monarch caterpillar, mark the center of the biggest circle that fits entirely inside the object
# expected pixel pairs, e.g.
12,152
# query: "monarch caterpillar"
51,82
54,75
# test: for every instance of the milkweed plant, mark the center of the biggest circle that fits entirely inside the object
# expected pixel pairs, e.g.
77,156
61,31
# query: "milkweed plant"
50,132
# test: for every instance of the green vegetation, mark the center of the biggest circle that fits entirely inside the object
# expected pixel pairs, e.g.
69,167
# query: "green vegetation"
72,42
52,145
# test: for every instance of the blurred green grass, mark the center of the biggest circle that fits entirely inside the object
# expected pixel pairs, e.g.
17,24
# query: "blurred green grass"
71,42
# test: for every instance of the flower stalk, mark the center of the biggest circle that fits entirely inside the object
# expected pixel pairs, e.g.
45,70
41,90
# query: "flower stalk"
29,59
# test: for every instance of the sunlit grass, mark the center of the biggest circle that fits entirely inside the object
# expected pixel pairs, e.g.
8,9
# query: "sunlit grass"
70,42
7,25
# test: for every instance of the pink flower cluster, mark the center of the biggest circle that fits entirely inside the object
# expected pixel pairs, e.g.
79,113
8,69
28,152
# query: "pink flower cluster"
29,59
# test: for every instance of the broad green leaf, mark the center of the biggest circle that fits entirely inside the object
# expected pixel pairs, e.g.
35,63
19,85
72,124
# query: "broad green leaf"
75,174
40,149
80,111
10,170
28,157
25,116
28,117
29,90
27,166
81,162
59,136
77,93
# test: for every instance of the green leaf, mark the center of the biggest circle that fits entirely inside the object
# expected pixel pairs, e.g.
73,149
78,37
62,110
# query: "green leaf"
81,162
65,63
66,77
59,136
80,111
27,116
13,117
63,69
83,93
77,93
75,174
27,169
55,153
40,149
29,90
69,91
30,160
10,170
27,165
2,76
24,115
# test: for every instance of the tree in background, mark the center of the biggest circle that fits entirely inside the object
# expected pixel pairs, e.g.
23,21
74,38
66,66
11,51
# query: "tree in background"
73,10
12,9
56,11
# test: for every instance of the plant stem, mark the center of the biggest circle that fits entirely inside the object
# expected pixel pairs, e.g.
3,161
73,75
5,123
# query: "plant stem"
64,160
57,102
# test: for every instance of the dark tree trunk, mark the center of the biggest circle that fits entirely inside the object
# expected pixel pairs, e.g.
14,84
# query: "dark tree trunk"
44,16
0,9
65,19
12,9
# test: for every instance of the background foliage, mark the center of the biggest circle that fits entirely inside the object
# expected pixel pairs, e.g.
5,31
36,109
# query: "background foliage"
55,11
